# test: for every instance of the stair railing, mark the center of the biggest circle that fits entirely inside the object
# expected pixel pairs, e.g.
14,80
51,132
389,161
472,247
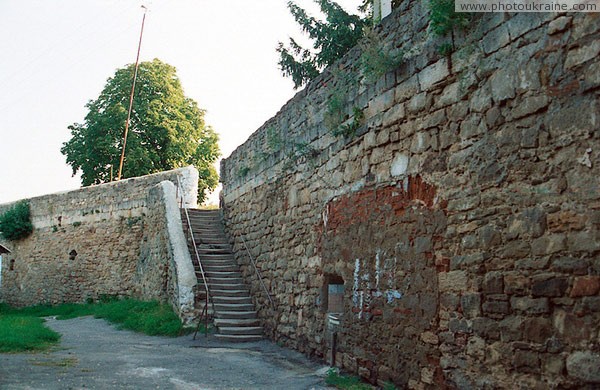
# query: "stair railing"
260,279
191,234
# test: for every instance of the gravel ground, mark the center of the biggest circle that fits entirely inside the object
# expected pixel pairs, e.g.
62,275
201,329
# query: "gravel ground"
93,354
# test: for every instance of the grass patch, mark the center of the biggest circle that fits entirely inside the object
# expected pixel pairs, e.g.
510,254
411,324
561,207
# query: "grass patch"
344,381
22,329
22,333
151,318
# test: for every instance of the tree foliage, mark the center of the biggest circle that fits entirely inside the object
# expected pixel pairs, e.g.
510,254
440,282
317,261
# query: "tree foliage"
166,131
443,18
15,223
333,37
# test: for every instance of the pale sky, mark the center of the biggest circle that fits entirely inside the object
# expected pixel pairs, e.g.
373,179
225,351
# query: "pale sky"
56,55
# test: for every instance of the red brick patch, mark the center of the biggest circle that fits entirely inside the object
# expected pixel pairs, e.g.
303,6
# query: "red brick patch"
585,286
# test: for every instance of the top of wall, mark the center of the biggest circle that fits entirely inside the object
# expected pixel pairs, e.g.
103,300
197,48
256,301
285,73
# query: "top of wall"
124,198
300,126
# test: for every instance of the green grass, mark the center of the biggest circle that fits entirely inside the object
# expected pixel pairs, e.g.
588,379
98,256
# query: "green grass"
22,329
21,333
345,382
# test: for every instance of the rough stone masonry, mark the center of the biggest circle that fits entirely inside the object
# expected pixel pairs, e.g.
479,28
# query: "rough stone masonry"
115,239
461,221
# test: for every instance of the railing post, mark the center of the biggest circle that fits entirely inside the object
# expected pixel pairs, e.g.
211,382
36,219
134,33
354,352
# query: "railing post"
257,272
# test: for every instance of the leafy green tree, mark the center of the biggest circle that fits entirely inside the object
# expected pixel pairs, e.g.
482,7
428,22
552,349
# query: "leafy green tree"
15,223
166,131
333,37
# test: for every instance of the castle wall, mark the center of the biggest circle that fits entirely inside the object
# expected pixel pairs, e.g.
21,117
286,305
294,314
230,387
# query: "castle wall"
110,239
461,220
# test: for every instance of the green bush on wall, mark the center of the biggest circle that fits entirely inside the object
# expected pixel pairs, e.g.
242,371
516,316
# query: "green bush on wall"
16,222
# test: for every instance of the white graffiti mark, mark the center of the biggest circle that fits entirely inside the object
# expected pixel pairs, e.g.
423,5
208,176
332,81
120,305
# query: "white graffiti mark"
363,293
393,294
377,268
356,280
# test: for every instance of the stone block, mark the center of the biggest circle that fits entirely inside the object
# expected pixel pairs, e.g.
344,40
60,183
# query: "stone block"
406,89
585,286
550,287
530,222
461,325
582,54
433,74
486,328
526,361
493,283
521,23
453,281
559,24
481,99
495,39
588,305
450,95
418,102
503,84
516,249
537,329
583,365
467,261
570,265
394,114
399,165
549,244
496,307
584,241
471,305
529,105
530,305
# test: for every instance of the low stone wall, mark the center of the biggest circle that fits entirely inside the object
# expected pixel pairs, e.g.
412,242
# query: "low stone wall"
110,239
461,221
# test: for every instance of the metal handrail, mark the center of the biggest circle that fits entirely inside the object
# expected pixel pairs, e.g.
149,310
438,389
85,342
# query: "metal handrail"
191,234
257,272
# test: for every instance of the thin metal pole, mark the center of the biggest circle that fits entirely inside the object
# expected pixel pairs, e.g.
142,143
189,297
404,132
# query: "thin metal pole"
137,60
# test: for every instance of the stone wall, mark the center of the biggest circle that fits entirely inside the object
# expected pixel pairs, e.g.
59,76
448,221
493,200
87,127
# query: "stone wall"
462,217
109,239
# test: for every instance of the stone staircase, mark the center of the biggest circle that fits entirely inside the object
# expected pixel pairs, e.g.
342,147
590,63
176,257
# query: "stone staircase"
234,313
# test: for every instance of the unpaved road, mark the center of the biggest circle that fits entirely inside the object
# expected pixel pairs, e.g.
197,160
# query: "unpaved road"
93,354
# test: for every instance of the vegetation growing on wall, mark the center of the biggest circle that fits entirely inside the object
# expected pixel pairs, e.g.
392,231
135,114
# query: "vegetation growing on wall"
375,61
443,19
15,223
332,38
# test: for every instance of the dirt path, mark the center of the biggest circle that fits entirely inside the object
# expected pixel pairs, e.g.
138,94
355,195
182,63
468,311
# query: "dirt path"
95,355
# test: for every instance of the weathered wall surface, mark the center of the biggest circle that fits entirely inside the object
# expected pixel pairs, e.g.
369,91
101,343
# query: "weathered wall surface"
108,239
463,218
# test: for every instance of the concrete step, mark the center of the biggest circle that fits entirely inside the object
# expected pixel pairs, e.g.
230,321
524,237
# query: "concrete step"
225,300
227,307
214,251
238,338
236,323
238,315
212,274
227,286
241,330
208,268
218,256
230,280
229,293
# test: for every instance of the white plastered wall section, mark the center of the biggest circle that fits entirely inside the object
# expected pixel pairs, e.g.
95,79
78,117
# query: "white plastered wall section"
187,193
186,277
